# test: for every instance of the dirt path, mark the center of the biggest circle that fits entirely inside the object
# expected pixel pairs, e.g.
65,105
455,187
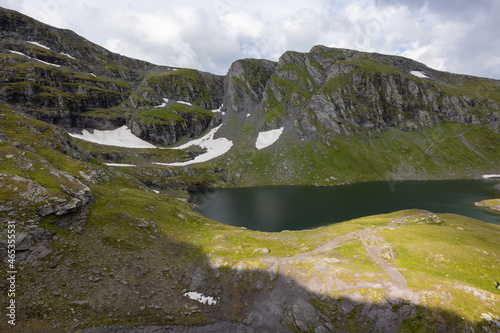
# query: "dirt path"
377,248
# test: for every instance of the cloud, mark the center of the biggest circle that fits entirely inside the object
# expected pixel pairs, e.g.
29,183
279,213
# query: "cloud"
449,9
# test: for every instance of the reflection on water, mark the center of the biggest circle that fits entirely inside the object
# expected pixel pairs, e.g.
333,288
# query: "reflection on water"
277,208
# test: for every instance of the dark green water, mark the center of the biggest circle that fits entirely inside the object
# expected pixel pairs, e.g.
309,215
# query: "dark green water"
277,208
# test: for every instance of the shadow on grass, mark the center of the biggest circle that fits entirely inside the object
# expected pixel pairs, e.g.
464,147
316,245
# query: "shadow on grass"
154,300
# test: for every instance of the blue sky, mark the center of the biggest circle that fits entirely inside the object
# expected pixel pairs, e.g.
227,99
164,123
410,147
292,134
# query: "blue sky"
453,35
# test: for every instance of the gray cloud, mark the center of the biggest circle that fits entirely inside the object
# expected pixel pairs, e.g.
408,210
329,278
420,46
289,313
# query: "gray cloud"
456,9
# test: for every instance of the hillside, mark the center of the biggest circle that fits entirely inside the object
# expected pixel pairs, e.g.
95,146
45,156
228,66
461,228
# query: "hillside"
108,248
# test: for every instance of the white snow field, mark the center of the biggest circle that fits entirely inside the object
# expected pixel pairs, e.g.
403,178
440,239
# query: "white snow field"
185,103
68,55
47,63
120,137
265,139
162,105
201,298
120,165
419,74
214,147
19,53
39,45
491,176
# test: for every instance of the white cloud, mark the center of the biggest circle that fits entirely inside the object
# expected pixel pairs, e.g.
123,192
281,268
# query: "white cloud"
239,23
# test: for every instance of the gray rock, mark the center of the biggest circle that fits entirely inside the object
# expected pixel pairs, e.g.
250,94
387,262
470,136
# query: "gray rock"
37,253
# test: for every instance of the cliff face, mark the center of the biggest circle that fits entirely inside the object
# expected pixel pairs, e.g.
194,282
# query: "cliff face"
167,125
339,92
59,77
245,84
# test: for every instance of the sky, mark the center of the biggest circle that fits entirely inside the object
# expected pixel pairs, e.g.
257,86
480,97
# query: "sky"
459,36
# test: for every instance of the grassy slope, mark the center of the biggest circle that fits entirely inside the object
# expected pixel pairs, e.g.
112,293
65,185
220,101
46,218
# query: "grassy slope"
452,262
449,150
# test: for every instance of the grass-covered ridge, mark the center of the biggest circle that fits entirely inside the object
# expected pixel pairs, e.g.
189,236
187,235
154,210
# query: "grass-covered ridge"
199,88
445,151
175,113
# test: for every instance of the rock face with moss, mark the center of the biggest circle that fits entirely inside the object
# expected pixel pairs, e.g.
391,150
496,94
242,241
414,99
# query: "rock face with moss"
245,84
338,92
167,125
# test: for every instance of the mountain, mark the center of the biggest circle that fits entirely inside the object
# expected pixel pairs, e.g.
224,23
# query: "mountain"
59,77
102,248
340,110
358,116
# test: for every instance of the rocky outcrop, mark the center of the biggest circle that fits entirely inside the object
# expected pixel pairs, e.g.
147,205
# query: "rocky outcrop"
68,205
493,204
165,126
338,92
245,83
32,189
188,85
170,133
343,92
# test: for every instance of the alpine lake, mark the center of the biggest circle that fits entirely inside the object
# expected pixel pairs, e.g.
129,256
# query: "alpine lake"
278,208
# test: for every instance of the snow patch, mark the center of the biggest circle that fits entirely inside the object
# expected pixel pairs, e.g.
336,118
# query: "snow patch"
248,115
265,139
67,55
162,105
218,110
19,53
201,298
419,74
185,103
120,165
47,63
93,74
491,176
120,137
214,147
40,45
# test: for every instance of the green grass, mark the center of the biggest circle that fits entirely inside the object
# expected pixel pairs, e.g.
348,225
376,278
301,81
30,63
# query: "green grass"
449,150
174,114
460,251
186,82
